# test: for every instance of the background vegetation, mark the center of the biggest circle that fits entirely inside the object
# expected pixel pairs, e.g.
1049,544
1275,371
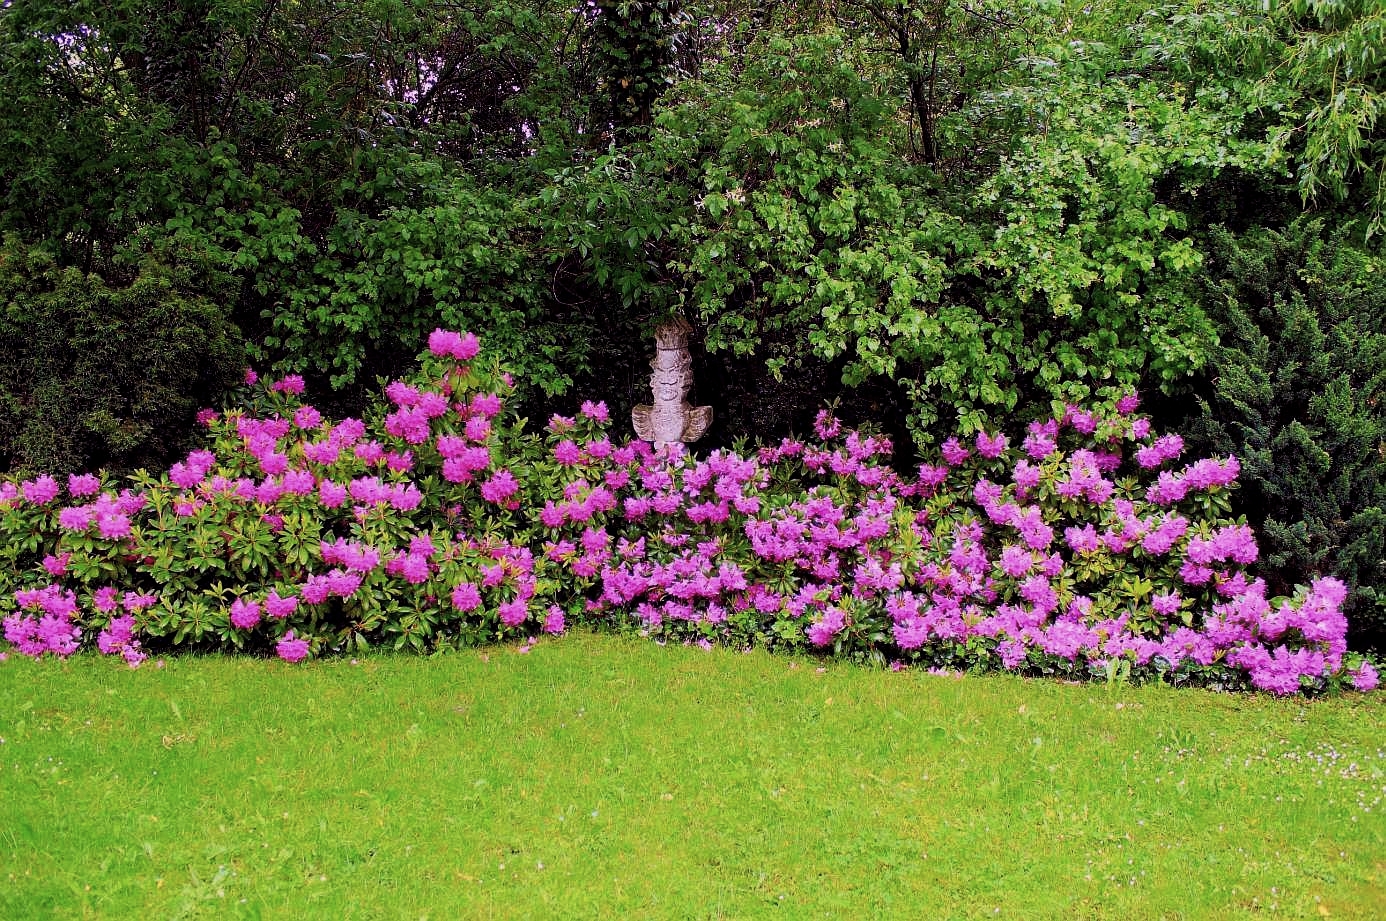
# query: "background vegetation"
942,212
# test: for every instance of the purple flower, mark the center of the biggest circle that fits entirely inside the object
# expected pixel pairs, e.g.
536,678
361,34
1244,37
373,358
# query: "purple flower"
991,446
822,632
292,649
83,485
597,412
499,487
113,526
466,597
290,383
104,599
1012,653
307,418
486,404
245,614
331,494
1166,604
444,343
954,453
1365,677
77,518
276,606
41,491
513,613
1082,540
1016,560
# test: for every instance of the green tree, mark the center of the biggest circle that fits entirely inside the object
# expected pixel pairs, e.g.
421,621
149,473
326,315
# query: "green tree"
1297,391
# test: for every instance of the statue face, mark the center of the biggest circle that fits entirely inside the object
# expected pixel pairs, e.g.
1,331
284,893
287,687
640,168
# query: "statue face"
667,388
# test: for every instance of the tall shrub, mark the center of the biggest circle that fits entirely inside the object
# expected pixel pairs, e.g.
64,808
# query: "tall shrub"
1296,391
104,375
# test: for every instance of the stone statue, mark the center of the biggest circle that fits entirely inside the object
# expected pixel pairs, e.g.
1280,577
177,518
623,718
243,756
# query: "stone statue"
670,420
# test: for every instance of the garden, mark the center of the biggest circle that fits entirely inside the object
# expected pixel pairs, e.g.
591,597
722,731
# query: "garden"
1000,532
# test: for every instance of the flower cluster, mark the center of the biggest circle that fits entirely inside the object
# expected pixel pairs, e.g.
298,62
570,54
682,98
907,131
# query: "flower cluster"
1083,548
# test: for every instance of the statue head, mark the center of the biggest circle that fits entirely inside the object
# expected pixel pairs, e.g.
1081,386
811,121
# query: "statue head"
673,335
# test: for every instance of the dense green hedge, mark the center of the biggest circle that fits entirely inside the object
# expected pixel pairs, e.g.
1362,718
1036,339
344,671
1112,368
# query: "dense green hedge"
1296,392
104,375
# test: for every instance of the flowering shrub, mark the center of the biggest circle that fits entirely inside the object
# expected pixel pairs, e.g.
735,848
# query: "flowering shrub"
1087,549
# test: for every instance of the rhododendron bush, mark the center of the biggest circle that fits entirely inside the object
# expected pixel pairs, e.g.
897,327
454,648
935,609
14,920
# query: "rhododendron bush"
1088,546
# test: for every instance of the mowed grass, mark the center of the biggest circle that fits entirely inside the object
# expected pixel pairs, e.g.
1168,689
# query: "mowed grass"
604,777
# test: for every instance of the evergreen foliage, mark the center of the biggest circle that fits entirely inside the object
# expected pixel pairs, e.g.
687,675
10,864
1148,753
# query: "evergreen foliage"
104,375
1296,391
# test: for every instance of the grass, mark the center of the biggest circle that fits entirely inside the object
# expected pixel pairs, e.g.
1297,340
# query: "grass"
603,777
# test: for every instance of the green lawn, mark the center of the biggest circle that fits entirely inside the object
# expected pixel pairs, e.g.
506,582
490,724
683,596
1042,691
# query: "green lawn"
606,777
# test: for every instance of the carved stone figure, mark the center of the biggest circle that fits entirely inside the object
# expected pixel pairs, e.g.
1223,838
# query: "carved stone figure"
670,420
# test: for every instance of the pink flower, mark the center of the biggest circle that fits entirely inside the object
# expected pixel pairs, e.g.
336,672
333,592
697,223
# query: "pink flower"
448,344
104,599
113,526
184,476
443,342
567,453
251,378
954,453
1016,560
331,494
77,518
291,383
273,463
292,649
468,348
477,428
245,614
83,485
314,589
991,446
597,412
275,606
117,635
42,490
343,584
1166,604
413,567
1365,677
1082,540
554,622
135,601
1012,653
486,404
466,597
307,418
825,629
826,426
499,487
513,613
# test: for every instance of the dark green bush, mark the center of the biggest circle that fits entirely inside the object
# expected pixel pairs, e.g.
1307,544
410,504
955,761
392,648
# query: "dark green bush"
104,375
1296,393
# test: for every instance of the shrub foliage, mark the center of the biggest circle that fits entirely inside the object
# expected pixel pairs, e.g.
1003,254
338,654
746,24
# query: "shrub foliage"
95,374
1297,394
1080,549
